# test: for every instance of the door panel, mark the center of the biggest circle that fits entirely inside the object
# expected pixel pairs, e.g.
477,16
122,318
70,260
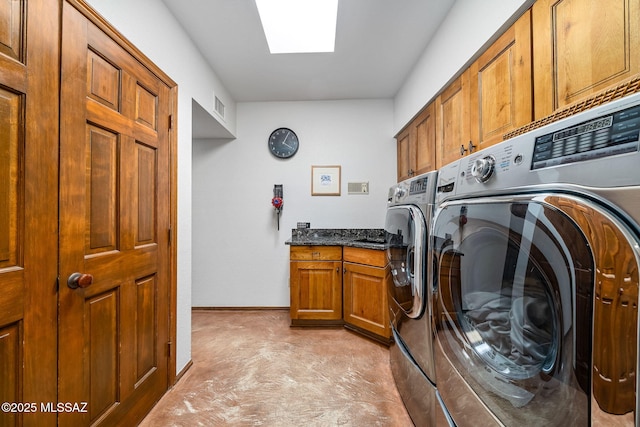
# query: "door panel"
28,207
501,89
582,48
115,217
452,120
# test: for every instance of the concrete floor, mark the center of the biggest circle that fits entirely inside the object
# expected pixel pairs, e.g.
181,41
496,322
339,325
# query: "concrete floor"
251,369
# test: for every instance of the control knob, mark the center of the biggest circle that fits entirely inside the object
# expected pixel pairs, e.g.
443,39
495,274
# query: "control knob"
482,169
400,193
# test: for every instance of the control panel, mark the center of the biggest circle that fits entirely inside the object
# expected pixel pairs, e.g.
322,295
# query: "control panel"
616,133
419,185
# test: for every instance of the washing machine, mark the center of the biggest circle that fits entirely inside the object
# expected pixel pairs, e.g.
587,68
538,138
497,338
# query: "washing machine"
407,224
536,253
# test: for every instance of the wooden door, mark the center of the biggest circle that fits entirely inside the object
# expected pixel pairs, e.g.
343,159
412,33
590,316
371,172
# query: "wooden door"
365,298
452,121
405,170
582,47
424,127
28,209
501,87
316,291
114,229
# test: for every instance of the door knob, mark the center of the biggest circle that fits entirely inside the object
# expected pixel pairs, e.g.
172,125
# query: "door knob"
79,280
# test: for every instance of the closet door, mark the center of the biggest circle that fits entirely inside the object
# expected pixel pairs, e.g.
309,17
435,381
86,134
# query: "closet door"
115,212
29,88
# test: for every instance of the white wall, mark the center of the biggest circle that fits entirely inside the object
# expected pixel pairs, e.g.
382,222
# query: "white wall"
150,27
239,256
469,25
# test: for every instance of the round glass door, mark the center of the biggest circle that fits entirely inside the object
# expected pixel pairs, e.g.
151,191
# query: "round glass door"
406,239
512,282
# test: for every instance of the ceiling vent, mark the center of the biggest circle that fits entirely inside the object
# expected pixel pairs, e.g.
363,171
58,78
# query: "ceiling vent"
219,107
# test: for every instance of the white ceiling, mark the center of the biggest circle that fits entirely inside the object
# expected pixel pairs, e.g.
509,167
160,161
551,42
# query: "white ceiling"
377,44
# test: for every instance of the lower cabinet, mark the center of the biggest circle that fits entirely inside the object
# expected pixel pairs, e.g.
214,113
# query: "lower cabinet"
332,285
316,285
366,277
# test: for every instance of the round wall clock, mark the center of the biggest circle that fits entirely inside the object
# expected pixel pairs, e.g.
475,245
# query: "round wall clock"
283,143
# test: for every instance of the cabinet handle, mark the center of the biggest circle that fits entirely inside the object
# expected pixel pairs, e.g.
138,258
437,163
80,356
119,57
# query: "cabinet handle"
472,147
462,150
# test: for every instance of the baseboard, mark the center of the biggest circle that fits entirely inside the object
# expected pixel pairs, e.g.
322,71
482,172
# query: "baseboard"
183,371
239,308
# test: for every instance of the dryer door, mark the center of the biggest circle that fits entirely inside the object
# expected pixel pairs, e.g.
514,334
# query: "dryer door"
514,310
406,238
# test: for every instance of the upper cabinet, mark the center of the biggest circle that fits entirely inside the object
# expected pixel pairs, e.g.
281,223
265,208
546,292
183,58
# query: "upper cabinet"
500,86
416,145
581,47
557,53
492,97
452,121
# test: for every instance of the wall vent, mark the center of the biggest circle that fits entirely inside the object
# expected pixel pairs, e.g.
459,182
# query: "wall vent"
219,107
358,188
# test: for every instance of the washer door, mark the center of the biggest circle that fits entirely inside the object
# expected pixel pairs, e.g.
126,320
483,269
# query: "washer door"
406,238
514,309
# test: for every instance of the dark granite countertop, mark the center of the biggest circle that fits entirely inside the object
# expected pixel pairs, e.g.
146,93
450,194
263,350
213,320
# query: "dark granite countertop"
367,238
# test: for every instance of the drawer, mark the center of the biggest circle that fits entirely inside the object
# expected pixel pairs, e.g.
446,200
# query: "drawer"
373,257
314,253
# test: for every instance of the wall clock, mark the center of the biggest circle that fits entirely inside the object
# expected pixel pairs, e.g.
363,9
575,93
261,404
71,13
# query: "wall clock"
283,143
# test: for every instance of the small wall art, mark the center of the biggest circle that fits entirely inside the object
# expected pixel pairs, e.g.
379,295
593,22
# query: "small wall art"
325,180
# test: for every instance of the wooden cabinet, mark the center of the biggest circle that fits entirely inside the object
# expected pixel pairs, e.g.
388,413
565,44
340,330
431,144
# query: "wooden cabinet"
559,52
332,285
492,97
500,86
416,145
366,278
316,285
582,47
452,121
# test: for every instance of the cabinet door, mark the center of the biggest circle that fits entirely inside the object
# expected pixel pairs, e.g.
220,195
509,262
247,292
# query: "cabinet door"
581,47
501,89
405,169
424,128
316,290
452,121
365,298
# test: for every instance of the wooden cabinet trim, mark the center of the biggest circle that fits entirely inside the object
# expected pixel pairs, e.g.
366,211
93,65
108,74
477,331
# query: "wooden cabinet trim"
371,257
315,253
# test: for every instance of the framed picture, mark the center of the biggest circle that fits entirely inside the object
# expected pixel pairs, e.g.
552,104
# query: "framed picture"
325,180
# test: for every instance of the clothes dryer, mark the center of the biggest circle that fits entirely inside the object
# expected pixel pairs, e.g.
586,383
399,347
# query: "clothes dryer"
536,248
407,224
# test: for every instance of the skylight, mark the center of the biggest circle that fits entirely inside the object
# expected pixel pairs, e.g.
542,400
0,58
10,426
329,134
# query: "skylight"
299,26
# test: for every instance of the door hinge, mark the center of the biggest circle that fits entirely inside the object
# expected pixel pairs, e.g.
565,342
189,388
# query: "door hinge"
170,235
169,349
170,121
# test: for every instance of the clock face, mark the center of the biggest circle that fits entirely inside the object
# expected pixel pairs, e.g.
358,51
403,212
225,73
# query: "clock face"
283,143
